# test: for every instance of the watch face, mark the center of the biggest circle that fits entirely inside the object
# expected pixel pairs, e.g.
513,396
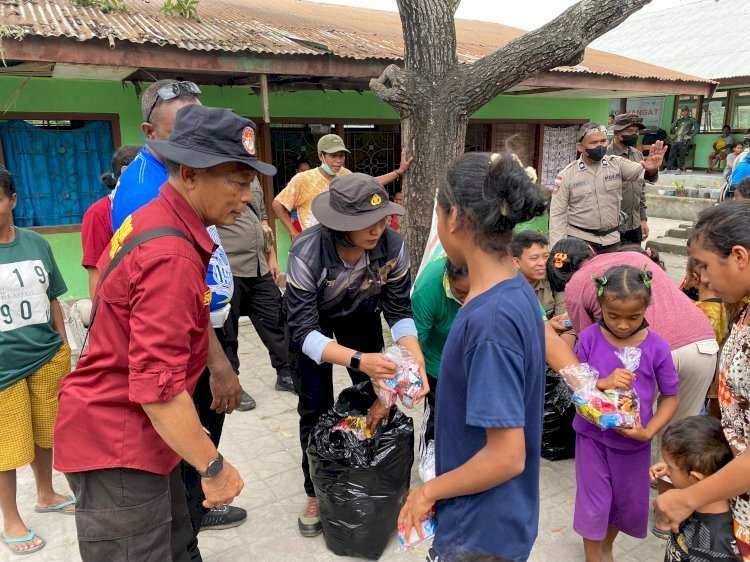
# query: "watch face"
214,467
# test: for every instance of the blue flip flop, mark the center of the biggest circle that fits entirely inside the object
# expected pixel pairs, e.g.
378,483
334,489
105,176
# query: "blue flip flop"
59,508
30,537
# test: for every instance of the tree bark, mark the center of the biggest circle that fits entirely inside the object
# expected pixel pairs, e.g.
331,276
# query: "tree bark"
435,95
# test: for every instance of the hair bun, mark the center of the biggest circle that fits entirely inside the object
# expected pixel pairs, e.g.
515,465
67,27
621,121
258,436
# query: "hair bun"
510,188
109,179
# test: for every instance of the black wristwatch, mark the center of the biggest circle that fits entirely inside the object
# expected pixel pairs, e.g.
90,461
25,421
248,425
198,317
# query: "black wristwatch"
214,468
354,362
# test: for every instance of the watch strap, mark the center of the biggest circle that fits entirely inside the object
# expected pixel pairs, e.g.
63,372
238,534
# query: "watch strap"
354,362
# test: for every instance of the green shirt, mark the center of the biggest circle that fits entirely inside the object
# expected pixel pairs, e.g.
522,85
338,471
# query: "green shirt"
434,309
29,279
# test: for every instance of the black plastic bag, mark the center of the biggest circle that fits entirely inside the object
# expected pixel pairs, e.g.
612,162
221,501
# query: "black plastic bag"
558,435
360,485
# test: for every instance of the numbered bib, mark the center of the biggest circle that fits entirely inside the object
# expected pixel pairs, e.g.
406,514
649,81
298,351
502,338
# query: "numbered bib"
23,294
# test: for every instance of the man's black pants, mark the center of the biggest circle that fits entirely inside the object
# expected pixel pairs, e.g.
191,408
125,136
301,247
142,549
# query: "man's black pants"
131,515
213,422
599,249
634,236
677,154
260,299
314,383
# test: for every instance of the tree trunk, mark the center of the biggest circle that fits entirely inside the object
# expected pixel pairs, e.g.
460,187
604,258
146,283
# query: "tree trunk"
435,96
436,133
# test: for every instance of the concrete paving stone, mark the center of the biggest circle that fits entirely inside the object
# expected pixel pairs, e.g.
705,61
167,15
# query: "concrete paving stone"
263,444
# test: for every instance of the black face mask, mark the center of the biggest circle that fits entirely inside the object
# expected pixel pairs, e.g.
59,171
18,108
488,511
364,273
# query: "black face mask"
597,153
629,140
643,326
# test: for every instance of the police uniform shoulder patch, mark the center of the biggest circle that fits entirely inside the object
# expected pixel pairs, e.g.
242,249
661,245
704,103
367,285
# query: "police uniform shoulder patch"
581,165
605,161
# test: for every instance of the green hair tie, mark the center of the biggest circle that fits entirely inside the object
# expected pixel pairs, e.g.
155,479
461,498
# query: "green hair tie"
646,276
601,281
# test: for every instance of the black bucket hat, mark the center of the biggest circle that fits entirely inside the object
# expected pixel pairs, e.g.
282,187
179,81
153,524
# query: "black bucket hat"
204,137
353,202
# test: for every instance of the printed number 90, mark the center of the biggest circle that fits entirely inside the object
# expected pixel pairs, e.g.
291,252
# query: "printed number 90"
7,317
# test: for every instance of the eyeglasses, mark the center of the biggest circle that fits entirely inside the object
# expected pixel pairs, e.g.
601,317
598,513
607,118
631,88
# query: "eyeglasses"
172,91
591,129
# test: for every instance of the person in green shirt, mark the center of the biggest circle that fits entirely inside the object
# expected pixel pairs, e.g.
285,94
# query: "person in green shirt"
685,128
35,358
439,292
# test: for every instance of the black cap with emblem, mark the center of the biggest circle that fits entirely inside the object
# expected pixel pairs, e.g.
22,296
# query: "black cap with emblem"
353,202
204,137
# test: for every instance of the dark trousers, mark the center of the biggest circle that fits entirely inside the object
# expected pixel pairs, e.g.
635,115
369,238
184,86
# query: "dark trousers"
314,383
260,299
677,154
130,515
428,425
214,423
634,236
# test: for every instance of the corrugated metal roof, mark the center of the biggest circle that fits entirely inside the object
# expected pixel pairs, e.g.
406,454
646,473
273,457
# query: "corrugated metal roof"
703,38
283,27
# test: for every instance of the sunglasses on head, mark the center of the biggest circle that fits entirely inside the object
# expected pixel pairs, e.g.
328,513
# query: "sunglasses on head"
172,91
592,129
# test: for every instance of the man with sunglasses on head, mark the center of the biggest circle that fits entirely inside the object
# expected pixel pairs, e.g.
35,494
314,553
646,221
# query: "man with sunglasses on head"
218,391
587,195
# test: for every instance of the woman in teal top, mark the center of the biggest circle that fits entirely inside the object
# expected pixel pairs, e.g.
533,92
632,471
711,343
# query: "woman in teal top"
439,292
35,357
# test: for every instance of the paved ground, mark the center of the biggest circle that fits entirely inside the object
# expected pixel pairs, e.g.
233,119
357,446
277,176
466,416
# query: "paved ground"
263,444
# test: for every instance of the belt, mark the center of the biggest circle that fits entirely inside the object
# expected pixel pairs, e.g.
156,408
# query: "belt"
598,232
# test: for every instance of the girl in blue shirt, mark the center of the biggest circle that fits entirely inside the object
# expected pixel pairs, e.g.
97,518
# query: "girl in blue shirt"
490,398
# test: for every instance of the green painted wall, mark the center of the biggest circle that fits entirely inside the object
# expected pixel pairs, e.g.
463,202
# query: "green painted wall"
93,96
68,254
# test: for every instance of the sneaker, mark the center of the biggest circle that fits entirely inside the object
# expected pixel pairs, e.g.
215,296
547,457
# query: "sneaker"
309,519
223,518
678,171
246,402
284,383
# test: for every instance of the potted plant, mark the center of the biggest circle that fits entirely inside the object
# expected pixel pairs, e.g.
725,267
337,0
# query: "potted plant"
680,187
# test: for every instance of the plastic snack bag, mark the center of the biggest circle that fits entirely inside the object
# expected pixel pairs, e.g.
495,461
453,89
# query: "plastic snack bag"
354,424
610,409
428,530
407,383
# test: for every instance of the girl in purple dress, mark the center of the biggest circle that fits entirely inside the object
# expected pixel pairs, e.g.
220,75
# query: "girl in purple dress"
612,465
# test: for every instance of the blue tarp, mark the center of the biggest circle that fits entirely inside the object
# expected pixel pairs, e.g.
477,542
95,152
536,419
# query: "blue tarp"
56,171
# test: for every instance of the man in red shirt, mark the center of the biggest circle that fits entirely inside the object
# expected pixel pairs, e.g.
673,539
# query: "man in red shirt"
126,416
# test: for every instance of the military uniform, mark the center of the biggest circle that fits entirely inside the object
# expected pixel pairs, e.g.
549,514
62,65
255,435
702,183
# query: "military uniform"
586,200
633,195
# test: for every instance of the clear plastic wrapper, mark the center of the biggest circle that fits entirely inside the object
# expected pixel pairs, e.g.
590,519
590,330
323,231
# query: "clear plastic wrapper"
615,408
428,530
356,425
407,383
427,462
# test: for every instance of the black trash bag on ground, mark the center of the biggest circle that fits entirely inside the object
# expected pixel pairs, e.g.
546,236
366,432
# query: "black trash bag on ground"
558,435
360,485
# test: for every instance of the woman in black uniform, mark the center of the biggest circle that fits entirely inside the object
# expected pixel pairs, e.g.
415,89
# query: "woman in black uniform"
341,275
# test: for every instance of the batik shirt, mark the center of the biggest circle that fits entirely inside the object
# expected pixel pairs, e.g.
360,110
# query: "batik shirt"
734,399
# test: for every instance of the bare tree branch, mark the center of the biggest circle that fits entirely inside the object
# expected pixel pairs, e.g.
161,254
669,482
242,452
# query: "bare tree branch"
560,42
391,88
